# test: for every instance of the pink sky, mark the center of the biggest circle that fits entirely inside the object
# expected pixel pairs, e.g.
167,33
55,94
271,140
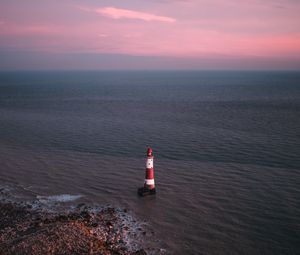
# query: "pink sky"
182,29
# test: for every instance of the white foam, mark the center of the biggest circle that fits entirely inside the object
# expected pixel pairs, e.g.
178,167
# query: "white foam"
58,198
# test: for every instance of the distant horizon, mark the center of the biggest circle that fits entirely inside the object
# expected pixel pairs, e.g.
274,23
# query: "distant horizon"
150,70
81,61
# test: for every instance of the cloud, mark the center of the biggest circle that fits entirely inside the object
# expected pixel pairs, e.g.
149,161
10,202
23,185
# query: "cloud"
116,13
103,35
8,28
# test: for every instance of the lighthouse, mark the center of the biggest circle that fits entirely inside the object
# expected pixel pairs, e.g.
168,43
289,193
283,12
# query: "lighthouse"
149,184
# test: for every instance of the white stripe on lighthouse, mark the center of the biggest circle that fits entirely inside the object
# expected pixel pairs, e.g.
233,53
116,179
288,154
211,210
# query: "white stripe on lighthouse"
149,181
149,163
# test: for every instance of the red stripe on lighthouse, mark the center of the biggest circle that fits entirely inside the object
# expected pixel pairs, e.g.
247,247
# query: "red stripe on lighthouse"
149,178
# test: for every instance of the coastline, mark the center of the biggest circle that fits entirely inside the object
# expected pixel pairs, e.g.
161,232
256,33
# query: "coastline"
25,229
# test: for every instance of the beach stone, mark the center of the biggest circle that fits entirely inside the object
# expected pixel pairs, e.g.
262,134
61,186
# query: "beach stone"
26,231
140,252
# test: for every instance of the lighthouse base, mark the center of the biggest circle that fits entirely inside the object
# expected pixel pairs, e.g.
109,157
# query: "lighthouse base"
145,191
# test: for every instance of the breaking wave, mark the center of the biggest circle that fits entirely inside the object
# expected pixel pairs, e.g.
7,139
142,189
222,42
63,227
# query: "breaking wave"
58,198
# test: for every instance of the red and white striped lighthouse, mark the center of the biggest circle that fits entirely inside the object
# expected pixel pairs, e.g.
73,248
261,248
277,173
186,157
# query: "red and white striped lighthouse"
149,184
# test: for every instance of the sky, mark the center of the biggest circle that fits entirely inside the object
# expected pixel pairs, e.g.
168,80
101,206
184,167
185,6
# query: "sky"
150,34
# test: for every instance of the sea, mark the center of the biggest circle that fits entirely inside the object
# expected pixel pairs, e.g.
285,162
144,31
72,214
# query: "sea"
226,148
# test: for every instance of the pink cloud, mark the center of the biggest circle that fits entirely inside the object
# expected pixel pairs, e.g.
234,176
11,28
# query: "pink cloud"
117,13
16,29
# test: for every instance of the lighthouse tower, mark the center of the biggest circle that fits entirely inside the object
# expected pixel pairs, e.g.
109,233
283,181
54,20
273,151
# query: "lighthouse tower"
149,184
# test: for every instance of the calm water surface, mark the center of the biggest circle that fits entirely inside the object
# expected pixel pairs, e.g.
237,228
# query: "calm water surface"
226,145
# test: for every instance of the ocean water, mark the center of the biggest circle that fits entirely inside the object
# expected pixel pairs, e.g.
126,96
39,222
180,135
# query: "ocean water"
226,147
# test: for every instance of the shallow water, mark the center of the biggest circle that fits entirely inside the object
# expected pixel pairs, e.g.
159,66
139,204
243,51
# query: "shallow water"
226,148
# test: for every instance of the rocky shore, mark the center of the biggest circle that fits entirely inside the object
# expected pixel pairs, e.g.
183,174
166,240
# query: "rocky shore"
80,230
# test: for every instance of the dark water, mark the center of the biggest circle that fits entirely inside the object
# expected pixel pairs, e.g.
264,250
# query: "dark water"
226,145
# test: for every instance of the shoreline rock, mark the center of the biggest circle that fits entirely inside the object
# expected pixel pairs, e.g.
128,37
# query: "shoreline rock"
24,230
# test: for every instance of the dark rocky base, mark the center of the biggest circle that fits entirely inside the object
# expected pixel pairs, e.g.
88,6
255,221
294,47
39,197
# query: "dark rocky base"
81,231
145,192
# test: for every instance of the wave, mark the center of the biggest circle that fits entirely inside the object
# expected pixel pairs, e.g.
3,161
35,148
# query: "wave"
63,198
